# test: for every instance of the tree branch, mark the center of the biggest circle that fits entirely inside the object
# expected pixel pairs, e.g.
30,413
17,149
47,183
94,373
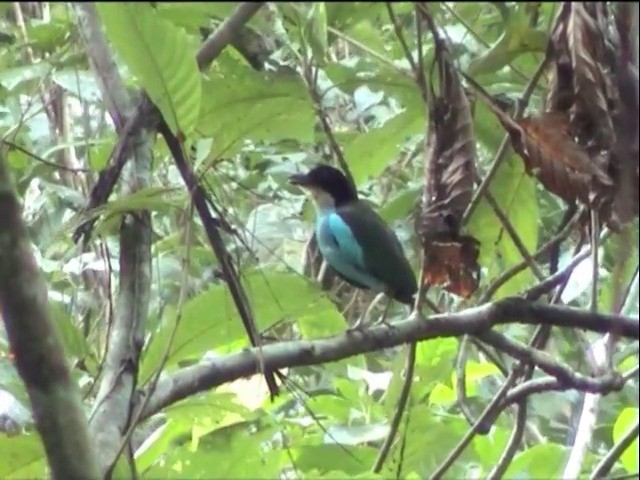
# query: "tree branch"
37,346
608,461
474,321
114,403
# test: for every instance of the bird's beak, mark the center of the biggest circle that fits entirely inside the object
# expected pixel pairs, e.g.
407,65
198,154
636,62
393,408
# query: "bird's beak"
299,179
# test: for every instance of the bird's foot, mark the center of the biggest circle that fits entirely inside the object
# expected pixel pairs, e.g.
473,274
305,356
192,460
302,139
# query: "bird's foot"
381,321
359,325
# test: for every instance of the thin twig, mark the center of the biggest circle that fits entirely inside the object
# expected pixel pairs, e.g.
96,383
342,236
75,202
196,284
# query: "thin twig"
49,163
515,238
543,250
372,53
502,150
312,87
468,436
512,445
403,43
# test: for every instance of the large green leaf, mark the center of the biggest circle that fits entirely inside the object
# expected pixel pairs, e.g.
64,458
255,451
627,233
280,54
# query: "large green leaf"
370,153
161,56
233,450
540,461
159,199
81,84
22,456
210,320
333,461
240,104
12,78
475,372
193,15
515,193
430,437
624,422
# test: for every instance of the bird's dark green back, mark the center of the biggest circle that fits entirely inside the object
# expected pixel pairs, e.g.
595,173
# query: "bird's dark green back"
383,254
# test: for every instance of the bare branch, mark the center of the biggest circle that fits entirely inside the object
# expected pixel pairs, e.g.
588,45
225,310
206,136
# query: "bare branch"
113,410
214,45
512,445
38,348
474,321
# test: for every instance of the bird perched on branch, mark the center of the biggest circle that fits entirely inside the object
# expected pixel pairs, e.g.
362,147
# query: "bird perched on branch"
353,239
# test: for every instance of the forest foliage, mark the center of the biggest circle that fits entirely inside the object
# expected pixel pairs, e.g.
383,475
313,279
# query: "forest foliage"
303,83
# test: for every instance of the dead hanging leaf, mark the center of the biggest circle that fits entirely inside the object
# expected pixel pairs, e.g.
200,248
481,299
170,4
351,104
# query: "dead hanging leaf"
590,61
550,153
560,95
580,84
595,81
548,138
450,259
453,264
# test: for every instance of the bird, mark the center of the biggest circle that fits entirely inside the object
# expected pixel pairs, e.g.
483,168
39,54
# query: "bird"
353,239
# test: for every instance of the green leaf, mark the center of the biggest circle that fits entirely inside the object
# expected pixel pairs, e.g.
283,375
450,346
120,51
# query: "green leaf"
335,407
489,448
433,364
12,78
158,443
515,192
159,199
370,153
210,320
161,56
74,342
333,458
439,434
442,395
81,84
344,16
48,35
627,418
474,373
240,104
234,451
518,38
21,456
401,204
620,257
193,15
316,31
540,461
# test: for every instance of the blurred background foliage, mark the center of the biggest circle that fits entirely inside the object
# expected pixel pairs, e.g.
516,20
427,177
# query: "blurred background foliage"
250,121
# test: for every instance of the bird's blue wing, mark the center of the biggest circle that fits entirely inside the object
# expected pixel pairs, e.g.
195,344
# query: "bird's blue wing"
342,251
382,257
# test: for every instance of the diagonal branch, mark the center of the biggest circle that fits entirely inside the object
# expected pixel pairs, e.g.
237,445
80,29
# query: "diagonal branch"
474,321
212,229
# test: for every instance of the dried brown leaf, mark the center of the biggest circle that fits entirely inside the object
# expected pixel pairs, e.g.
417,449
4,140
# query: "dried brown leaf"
563,167
590,60
450,259
560,96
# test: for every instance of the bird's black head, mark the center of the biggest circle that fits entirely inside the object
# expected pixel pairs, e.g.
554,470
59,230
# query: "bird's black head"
328,180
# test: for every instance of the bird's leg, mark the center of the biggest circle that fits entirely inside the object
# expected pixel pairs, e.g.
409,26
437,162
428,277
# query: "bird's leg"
383,318
350,305
367,313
